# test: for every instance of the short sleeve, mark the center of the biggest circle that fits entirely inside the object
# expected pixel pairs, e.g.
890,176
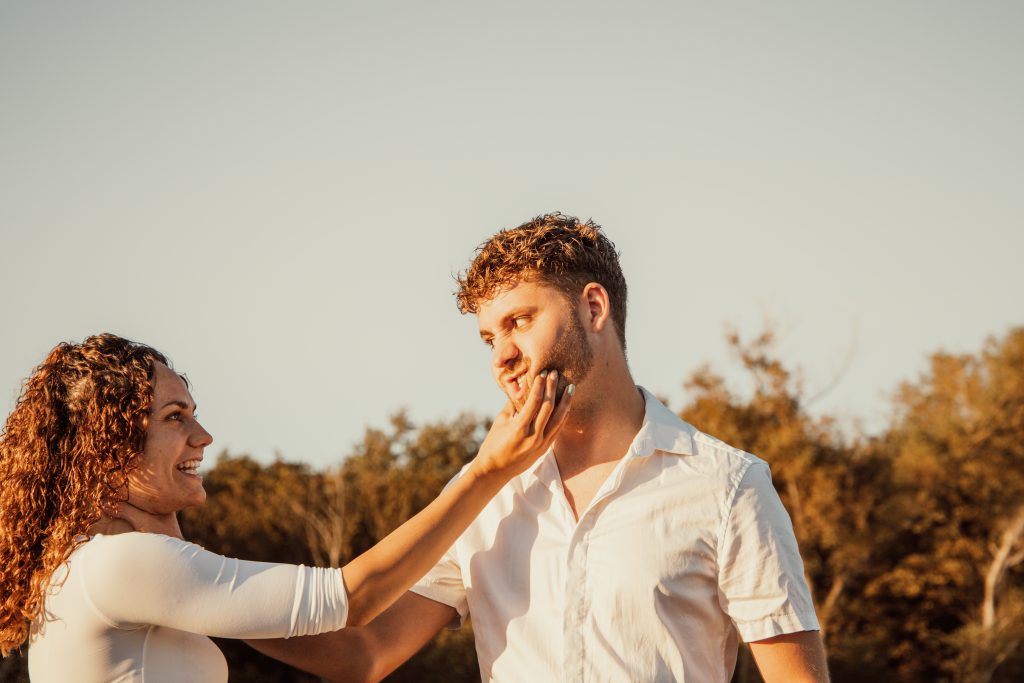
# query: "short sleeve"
444,584
761,576
134,579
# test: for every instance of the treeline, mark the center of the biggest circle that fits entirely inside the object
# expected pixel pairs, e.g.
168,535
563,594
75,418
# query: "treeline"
913,539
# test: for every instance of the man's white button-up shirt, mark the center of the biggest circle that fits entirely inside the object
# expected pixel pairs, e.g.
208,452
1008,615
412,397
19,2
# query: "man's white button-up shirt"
685,548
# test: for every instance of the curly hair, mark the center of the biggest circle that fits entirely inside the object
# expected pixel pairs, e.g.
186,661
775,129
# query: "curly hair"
553,249
76,432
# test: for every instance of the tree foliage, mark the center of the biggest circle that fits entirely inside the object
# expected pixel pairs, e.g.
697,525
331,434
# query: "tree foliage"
957,445
913,539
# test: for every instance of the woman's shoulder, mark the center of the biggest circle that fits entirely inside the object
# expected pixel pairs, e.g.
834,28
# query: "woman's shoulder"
118,567
132,538
134,547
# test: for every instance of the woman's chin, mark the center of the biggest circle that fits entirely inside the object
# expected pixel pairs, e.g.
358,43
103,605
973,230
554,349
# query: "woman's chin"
195,500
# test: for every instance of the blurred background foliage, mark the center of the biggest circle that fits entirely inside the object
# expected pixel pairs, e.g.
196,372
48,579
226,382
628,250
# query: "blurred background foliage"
912,539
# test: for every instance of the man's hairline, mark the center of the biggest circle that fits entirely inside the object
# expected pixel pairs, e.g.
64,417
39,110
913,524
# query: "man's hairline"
531,276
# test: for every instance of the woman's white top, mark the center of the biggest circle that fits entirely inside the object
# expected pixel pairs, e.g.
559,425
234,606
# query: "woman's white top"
138,607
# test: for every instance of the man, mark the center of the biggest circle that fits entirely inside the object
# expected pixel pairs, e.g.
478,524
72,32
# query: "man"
637,549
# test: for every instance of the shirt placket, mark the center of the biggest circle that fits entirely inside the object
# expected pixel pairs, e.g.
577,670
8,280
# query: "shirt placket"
577,600
577,585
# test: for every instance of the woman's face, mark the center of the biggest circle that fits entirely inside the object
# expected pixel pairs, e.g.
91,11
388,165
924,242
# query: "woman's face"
167,478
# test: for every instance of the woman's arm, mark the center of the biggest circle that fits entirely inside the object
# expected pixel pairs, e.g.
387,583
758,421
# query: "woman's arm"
382,574
365,654
187,588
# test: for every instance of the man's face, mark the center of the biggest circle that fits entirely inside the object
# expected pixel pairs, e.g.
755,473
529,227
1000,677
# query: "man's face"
531,328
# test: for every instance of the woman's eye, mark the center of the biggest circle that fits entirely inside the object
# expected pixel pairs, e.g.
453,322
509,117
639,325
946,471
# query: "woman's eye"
521,320
176,415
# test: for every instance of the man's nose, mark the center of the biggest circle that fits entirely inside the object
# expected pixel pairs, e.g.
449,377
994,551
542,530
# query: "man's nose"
505,353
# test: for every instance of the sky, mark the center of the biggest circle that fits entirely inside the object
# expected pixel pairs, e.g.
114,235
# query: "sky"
277,195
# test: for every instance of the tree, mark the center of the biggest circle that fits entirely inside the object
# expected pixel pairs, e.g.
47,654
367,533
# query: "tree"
249,510
835,491
392,476
958,441
324,514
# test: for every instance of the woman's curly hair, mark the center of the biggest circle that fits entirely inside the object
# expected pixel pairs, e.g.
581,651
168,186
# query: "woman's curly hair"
75,433
555,249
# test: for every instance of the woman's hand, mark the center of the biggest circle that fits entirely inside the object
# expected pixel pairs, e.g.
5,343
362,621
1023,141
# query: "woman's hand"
517,439
379,576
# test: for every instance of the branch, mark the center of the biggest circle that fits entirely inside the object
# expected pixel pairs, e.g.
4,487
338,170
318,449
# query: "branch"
1004,558
830,602
851,352
1016,558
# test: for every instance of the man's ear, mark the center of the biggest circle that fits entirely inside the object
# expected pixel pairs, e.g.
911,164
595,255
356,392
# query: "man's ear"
597,306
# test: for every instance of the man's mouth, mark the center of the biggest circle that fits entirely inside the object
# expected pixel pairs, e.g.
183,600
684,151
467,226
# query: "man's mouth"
516,385
520,381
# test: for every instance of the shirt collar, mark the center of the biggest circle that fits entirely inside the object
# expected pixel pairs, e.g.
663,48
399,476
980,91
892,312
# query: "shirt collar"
662,431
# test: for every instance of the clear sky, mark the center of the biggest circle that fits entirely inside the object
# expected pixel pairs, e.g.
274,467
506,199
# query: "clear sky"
277,194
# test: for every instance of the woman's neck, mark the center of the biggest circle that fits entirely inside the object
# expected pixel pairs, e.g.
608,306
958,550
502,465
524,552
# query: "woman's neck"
110,527
127,518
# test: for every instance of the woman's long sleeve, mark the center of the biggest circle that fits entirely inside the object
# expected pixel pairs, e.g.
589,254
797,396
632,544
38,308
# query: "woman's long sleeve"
136,578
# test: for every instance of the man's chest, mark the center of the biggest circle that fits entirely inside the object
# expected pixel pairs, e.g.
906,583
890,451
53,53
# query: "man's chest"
581,488
647,540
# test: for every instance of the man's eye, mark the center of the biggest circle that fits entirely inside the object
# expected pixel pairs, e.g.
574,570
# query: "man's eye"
521,320
488,342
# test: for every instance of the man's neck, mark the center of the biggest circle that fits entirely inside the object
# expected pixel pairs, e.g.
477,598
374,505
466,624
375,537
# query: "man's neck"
604,427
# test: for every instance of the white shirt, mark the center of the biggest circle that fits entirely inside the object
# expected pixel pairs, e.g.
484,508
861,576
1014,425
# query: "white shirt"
685,548
131,607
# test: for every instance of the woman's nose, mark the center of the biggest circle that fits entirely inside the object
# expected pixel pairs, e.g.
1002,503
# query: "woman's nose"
200,438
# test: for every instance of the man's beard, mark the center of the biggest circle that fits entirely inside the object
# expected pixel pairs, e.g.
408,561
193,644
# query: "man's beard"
571,355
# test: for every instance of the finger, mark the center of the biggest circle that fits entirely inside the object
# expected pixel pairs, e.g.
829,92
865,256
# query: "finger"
533,399
547,405
561,413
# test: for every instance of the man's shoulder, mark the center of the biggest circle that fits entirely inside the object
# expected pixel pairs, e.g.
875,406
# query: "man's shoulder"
719,465
672,434
696,449
723,454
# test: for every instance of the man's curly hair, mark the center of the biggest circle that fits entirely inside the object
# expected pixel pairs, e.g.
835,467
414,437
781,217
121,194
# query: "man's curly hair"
553,249
75,433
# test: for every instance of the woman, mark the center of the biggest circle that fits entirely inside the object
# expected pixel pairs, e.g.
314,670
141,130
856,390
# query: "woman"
97,458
